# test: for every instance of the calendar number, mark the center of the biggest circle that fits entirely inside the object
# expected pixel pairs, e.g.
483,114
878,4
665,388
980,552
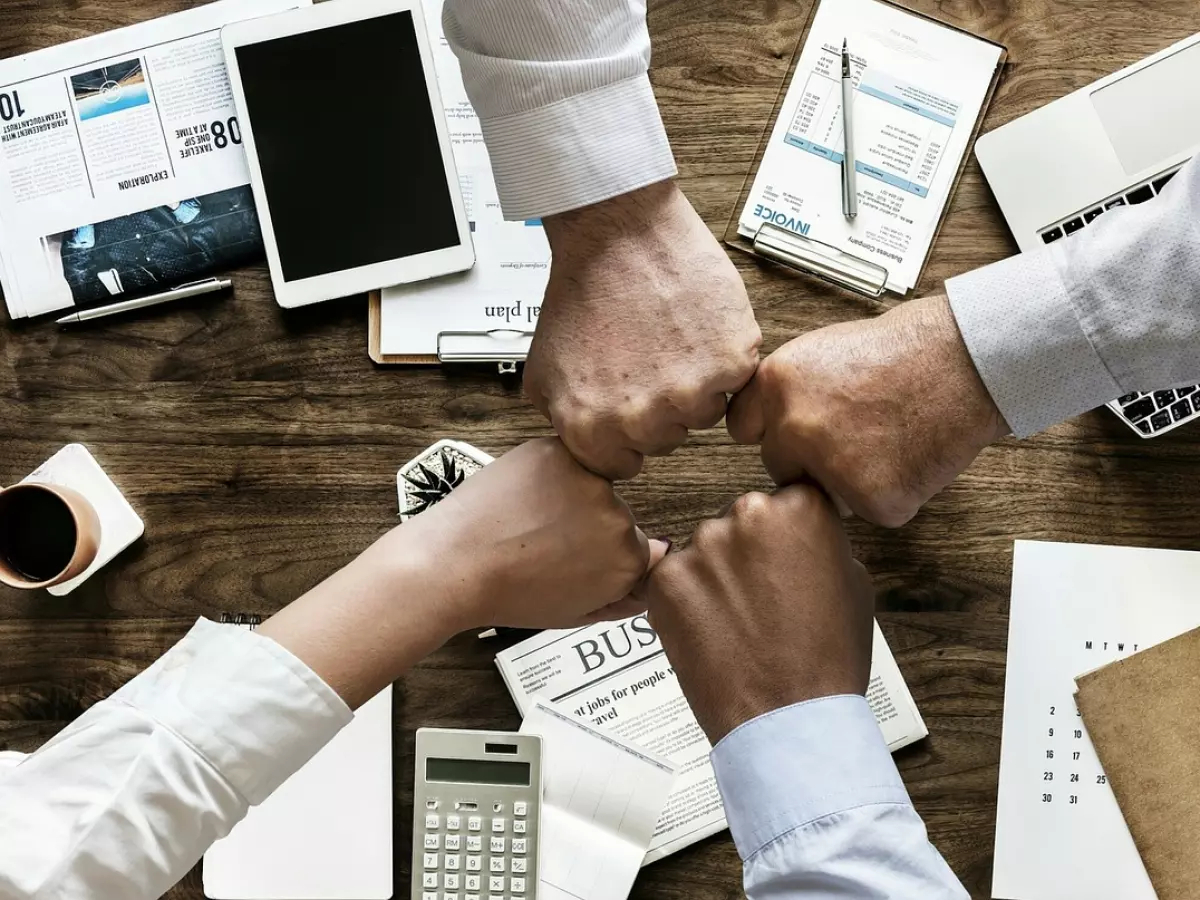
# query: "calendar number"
1052,710
1049,754
1047,776
1050,732
1074,799
1046,798
1101,779
1075,755
1074,776
1078,732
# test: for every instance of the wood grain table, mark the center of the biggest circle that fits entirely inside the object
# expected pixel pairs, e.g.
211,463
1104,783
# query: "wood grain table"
261,446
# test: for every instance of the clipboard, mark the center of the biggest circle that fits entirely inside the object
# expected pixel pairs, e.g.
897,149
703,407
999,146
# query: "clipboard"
506,348
813,257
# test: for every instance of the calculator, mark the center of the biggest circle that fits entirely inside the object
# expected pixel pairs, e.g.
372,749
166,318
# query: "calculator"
476,810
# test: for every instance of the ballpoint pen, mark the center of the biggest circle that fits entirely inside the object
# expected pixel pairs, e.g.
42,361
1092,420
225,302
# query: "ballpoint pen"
194,289
849,188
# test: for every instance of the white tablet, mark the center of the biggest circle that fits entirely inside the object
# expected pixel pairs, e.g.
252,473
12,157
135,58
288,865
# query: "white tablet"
349,152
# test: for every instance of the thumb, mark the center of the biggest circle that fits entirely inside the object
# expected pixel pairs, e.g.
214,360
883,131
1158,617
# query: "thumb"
745,419
655,549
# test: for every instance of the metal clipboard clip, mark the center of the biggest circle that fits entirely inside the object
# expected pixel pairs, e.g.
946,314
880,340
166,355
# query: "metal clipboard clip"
818,258
506,347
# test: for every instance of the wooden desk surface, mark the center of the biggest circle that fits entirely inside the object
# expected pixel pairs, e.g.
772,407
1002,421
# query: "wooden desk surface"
261,447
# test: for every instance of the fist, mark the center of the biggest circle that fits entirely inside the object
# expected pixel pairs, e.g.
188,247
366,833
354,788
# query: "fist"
884,413
765,608
645,328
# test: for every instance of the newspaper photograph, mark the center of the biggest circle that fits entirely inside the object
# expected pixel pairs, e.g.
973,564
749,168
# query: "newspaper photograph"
121,163
616,675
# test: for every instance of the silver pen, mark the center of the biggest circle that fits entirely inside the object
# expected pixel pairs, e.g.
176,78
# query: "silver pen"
193,289
849,187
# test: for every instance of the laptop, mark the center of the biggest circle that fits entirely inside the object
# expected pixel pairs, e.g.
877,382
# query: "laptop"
1116,142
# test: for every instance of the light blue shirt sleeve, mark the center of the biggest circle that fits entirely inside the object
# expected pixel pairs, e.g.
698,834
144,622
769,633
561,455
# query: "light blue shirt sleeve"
818,810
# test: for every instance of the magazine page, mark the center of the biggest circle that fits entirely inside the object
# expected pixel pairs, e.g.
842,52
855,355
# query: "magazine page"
616,675
121,163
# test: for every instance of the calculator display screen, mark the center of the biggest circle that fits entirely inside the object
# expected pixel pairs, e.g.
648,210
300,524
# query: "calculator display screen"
477,771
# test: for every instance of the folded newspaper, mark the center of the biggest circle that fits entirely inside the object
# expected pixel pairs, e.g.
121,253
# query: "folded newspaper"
616,675
121,163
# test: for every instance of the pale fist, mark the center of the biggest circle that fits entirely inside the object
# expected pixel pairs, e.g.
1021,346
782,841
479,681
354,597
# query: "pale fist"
534,540
765,608
884,413
645,328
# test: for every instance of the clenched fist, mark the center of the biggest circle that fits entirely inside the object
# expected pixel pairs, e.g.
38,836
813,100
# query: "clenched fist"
645,328
884,413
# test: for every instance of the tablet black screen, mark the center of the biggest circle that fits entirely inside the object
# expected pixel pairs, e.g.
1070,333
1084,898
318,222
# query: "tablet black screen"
347,146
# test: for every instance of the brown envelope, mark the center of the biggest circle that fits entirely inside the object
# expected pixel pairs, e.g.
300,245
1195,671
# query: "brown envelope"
1143,716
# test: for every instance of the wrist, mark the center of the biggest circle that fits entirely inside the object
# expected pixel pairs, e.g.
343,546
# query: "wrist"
638,220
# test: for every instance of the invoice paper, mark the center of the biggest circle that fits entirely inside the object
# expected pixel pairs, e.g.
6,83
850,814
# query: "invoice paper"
1060,834
512,259
602,797
919,88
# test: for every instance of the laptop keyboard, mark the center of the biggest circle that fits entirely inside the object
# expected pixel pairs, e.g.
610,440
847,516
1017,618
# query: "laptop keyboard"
1155,412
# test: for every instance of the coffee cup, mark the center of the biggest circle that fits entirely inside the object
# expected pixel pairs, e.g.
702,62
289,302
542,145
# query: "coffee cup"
48,534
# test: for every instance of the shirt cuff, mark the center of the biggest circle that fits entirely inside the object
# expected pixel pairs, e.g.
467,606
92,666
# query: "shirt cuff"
793,766
579,151
254,711
1026,341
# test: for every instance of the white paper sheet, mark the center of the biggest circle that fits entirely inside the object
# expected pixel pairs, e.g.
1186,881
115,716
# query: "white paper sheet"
602,797
1075,607
919,89
504,290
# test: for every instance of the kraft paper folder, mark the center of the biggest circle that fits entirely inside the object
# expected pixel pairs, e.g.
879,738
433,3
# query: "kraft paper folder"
1143,716
809,255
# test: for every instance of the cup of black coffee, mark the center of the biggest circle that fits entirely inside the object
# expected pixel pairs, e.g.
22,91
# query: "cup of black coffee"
48,534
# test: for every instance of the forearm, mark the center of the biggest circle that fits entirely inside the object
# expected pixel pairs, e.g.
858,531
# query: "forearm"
817,809
564,99
1111,310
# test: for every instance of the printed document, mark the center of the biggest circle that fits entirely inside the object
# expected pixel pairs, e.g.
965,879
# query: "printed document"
512,259
919,89
121,163
1060,834
601,799
616,675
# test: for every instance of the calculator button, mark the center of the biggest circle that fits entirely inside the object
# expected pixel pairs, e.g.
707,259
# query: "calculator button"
431,803
429,880
450,882
431,860
496,883
495,897
519,826
497,807
471,897
474,843
518,866
520,808
453,862
433,841
498,826
453,823
497,845
474,863
429,895
518,885
473,882
453,842
432,821
474,823
518,845
450,896
497,864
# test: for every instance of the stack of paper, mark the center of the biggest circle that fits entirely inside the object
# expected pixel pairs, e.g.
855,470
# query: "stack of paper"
602,797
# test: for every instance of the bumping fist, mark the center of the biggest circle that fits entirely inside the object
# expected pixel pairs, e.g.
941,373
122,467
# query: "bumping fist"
774,581
884,413
645,328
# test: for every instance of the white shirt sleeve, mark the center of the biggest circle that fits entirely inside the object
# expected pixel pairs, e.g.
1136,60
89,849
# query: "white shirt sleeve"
561,89
1111,310
124,801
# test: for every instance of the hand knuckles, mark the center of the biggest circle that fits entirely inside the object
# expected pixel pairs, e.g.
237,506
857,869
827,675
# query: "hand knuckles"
754,505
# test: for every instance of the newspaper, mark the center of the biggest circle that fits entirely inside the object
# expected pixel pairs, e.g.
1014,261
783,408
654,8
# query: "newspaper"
616,675
121,163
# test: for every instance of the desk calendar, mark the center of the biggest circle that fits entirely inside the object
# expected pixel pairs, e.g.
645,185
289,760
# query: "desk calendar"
1075,607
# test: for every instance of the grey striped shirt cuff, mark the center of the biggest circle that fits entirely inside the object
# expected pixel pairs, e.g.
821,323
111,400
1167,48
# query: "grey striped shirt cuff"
579,151
1027,343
